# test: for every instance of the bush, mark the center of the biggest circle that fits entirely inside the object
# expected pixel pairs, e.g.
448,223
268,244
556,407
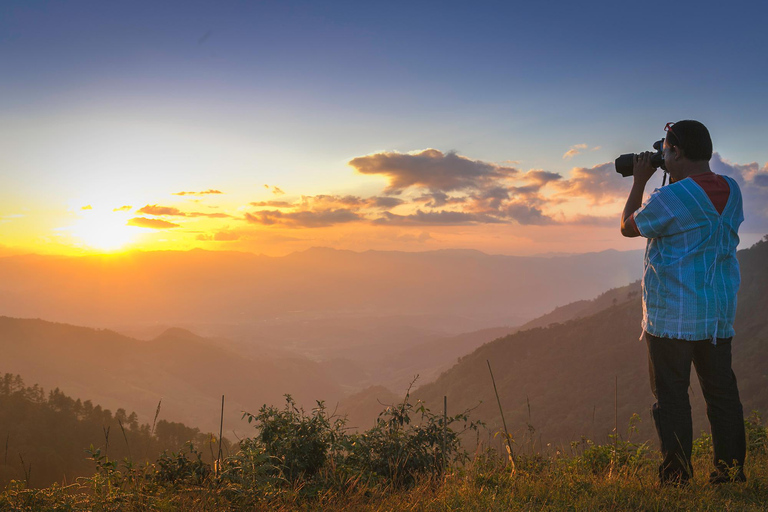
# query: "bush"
399,451
297,444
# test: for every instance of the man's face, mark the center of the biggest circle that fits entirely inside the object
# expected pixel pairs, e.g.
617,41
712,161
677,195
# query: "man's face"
670,161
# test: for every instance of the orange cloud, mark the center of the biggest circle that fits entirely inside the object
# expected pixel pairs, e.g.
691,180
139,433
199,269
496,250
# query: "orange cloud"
143,222
203,193
153,209
600,184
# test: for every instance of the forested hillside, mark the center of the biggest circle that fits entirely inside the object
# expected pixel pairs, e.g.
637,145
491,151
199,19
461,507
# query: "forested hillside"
567,372
45,436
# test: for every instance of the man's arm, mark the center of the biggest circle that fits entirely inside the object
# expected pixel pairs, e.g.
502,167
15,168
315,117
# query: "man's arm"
642,172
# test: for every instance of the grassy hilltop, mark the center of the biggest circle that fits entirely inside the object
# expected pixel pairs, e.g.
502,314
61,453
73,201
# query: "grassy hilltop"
411,460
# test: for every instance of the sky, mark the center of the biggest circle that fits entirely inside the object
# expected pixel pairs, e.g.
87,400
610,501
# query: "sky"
272,127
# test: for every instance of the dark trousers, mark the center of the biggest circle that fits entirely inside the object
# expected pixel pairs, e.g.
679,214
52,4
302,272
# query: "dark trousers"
669,362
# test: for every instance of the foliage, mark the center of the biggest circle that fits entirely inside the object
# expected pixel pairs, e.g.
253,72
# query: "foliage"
400,451
42,435
616,455
180,468
757,434
297,444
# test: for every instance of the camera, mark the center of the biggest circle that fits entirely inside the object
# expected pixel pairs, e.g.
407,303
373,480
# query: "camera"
625,163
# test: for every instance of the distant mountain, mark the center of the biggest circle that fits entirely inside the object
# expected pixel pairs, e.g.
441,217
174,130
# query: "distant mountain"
567,371
457,290
188,372
582,308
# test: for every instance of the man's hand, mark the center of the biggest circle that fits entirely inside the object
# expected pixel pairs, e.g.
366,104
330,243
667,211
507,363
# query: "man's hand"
642,170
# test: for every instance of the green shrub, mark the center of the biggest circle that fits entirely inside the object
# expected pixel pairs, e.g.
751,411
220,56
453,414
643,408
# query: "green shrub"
297,445
399,450
181,468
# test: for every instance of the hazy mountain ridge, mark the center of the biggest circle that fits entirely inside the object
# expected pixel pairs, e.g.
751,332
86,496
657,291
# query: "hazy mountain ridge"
188,372
567,370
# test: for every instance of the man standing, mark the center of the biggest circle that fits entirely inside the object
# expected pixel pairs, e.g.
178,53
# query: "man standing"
690,279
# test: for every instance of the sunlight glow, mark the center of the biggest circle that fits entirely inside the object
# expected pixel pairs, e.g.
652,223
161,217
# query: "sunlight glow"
104,231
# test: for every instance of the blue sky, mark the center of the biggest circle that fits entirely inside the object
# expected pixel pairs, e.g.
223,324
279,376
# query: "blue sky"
233,94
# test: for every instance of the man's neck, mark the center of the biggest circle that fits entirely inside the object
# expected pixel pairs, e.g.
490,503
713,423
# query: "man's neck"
690,168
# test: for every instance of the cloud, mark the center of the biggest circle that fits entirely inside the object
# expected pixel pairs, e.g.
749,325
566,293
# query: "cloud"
600,183
303,219
203,193
9,218
209,215
277,191
143,222
123,209
542,177
431,169
753,182
273,204
384,202
87,207
442,217
527,214
576,149
439,199
153,209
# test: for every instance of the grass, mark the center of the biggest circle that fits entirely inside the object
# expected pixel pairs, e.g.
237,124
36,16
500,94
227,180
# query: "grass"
300,461
557,482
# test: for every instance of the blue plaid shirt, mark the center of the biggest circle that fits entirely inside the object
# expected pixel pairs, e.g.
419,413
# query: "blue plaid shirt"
691,274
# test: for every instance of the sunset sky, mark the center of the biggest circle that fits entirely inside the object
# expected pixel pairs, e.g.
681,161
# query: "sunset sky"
273,127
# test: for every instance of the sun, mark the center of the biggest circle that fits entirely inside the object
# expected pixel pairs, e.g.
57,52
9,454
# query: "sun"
103,231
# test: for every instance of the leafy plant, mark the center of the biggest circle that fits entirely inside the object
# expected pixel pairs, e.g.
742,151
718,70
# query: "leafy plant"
297,444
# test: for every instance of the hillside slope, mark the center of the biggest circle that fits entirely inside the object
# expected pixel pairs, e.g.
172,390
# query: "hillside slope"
567,371
188,372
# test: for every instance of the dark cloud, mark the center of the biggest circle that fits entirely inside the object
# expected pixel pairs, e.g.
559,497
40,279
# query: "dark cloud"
600,183
153,209
203,193
384,203
527,214
443,217
541,177
439,199
143,222
331,201
303,219
431,169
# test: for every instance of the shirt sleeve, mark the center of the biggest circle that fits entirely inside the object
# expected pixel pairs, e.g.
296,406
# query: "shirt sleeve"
656,217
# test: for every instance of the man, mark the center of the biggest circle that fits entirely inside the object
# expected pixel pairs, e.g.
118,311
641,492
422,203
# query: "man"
690,280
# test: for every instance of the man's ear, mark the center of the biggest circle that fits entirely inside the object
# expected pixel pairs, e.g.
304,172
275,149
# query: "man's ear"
678,152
